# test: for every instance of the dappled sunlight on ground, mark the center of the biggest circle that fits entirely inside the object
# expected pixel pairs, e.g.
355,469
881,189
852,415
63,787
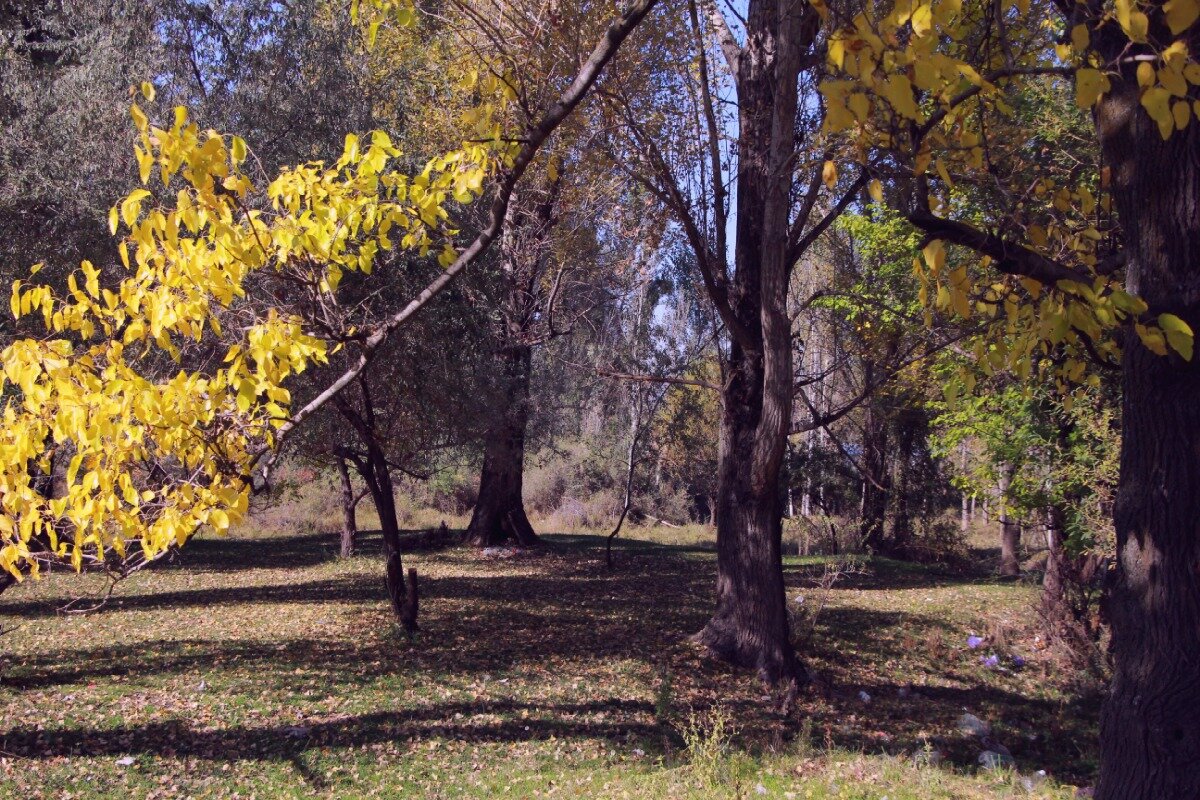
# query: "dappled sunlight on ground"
266,666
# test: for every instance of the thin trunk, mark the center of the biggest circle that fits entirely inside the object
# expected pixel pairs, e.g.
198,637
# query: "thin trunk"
906,434
968,508
378,477
402,594
499,514
876,478
1150,727
1010,529
349,524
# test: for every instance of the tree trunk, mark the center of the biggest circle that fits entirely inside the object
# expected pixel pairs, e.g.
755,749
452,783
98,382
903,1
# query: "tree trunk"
402,594
1150,727
907,429
876,478
968,507
349,524
750,624
499,514
1010,529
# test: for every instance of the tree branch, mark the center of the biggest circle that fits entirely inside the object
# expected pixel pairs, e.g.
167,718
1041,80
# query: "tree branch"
616,33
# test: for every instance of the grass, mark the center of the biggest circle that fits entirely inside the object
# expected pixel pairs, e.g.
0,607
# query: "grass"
263,666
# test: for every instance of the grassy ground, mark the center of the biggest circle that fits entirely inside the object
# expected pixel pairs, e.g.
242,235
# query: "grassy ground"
264,667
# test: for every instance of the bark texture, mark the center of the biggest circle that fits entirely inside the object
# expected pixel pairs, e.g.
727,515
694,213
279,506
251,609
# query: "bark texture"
499,514
750,625
1150,727
349,523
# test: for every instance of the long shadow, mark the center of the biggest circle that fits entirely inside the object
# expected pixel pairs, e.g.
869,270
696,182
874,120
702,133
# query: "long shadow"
567,608
335,589
282,742
883,574
215,554
576,613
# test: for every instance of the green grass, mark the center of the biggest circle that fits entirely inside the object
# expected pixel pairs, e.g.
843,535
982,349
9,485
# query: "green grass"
262,666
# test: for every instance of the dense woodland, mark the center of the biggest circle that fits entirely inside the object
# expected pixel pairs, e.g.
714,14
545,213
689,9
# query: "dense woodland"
869,286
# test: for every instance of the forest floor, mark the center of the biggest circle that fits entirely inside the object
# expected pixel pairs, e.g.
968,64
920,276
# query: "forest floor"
263,666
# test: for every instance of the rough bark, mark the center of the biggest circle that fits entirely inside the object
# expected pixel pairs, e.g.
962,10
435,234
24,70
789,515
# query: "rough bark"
349,524
499,514
750,625
1150,727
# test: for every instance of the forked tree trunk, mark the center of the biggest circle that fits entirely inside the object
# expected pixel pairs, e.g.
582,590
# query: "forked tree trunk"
1150,727
499,514
750,625
349,524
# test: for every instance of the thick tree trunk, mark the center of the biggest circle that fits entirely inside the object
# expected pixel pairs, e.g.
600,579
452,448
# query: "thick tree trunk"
1010,529
1150,727
750,625
499,514
349,524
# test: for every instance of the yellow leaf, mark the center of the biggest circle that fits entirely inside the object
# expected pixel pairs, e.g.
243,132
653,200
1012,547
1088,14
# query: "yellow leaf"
1089,85
1179,334
935,255
1181,14
1080,38
1145,74
837,51
1182,112
1156,101
875,189
148,91
922,19
898,91
829,174
1139,26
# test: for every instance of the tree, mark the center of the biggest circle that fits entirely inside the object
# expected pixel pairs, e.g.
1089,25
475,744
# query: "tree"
775,215
164,456
934,90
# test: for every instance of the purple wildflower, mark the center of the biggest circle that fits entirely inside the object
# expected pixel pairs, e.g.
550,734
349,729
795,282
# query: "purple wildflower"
1018,661
974,641
990,661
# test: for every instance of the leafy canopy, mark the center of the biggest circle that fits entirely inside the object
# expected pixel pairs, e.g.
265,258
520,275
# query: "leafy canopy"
157,451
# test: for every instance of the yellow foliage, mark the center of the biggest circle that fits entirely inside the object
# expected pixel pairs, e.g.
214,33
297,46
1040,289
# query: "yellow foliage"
153,457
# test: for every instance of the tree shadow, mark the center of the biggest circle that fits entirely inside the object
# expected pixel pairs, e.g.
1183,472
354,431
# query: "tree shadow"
556,607
612,720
